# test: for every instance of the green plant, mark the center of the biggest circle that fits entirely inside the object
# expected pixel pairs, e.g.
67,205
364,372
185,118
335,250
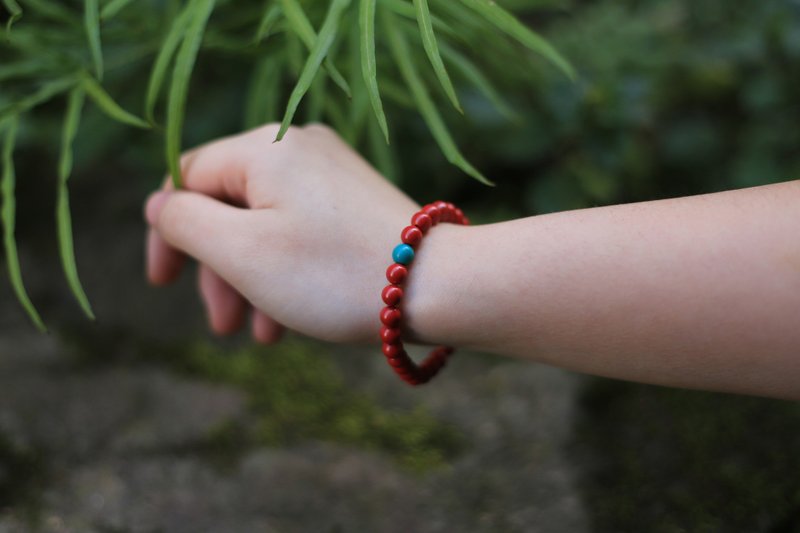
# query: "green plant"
674,98
74,50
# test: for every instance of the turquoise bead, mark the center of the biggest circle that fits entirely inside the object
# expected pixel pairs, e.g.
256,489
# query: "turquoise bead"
403,254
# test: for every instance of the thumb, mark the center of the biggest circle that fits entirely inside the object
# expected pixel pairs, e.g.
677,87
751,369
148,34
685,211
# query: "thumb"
211,231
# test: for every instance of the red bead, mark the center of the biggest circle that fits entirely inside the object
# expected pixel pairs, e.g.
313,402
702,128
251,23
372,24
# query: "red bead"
411,380
389,335
425,375
401,363
432,364
433,212
444,210
442,351
392,294
390,316
422,221
411,235
392,350
396,273
405,372
452,210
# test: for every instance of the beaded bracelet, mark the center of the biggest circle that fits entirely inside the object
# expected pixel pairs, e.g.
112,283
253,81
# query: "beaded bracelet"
427,217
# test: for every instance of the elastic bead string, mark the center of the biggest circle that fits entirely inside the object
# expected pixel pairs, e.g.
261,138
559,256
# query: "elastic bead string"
392,295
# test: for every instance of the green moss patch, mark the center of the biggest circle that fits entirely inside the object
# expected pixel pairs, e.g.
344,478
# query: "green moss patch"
296,394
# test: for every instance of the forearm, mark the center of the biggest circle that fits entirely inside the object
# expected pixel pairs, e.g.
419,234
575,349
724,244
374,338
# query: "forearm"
700,292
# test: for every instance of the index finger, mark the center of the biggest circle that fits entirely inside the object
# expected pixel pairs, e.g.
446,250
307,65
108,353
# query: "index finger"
216,169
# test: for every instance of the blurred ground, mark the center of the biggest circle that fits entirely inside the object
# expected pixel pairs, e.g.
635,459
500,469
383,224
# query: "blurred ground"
121,449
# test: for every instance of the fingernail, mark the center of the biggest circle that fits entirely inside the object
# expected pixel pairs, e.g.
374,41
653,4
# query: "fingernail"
154,205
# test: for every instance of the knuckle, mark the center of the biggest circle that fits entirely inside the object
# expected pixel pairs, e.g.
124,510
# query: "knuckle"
170,222
318,128
269,131
186,160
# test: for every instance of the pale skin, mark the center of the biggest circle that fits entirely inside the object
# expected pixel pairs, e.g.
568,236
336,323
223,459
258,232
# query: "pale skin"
700,292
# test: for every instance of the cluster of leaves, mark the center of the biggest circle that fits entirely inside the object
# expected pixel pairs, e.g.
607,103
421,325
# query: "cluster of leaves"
680,98
74,50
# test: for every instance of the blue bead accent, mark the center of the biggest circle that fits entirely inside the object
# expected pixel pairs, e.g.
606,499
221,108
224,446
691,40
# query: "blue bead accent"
403,254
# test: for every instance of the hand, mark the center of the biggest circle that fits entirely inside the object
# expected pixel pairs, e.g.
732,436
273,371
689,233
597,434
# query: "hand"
300,230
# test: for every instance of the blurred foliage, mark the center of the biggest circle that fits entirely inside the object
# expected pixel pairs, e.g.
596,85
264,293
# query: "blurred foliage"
672,98
146,51
666,460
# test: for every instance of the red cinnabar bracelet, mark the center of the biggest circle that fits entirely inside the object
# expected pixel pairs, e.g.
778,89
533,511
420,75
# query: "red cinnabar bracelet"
391,315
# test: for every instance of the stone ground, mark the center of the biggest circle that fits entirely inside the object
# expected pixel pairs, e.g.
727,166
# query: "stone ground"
117,446
114,438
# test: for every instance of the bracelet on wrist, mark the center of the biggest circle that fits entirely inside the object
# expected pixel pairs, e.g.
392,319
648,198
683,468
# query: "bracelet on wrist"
391,316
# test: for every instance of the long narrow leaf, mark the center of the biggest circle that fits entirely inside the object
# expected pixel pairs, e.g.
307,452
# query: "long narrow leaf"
318,52
366,22
9,215
162,62
353,125
426,106
21,69
272,92
298,22
63,217
397,93
107,104
15,10
262,95
91,21
338,119
432,50
474,75
510,25
407,10
75,101
184,64
110,10
53,10
294,54
44,94
316,99
382,156
268,19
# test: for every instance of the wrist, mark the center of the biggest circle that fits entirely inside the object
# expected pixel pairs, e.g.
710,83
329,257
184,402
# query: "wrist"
438,285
